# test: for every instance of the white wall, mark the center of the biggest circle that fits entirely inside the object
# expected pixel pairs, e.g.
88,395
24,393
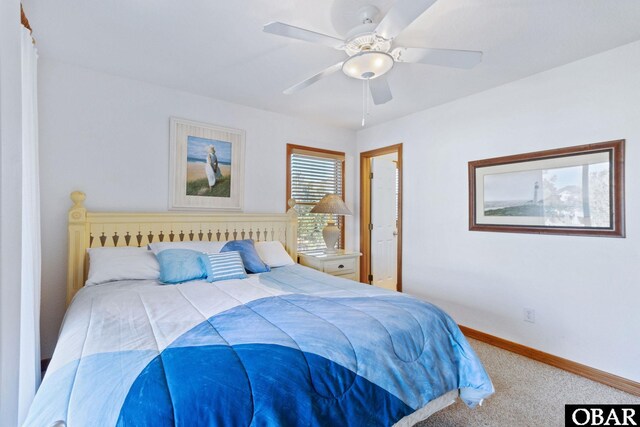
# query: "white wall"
109,137
585,290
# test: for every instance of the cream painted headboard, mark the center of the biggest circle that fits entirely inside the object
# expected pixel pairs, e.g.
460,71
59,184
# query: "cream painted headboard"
103,229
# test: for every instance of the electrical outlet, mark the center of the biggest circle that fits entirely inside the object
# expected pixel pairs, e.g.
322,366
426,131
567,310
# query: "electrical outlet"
529,315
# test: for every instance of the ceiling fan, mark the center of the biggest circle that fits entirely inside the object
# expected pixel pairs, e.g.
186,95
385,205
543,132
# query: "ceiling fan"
369,46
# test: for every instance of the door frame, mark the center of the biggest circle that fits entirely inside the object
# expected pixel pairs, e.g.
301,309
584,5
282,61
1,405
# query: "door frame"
365,210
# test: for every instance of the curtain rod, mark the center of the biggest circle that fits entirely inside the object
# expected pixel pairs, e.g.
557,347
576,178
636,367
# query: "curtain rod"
25,22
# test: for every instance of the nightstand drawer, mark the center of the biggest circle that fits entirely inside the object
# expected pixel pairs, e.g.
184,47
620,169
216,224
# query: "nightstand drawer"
341,266
350,276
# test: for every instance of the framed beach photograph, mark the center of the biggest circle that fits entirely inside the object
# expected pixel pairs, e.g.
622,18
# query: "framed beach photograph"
574,191
206,166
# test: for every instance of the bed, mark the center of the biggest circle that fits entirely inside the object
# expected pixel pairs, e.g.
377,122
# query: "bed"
287,347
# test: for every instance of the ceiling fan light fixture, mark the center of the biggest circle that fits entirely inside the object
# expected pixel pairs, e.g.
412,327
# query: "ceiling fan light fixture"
368,65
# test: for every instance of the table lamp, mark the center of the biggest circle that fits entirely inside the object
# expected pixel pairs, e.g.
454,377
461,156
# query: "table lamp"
331,204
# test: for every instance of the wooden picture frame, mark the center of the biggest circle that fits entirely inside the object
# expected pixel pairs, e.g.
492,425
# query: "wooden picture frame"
570,191
206,167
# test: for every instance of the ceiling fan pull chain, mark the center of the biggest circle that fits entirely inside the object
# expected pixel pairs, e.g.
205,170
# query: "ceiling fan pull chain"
366,97
365,83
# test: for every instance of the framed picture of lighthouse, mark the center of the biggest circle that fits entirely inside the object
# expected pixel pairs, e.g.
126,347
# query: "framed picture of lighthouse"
574,190
206,166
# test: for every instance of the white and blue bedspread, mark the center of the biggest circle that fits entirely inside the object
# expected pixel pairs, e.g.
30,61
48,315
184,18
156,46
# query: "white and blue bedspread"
285,348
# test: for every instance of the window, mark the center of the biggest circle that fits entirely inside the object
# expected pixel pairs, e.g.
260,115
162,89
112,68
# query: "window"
312,173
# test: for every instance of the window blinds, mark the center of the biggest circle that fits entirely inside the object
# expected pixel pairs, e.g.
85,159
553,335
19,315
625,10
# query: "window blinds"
313,176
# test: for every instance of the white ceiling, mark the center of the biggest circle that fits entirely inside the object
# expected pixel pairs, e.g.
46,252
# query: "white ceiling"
217,48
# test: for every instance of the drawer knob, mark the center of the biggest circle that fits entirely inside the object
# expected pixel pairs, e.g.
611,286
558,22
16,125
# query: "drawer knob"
341,266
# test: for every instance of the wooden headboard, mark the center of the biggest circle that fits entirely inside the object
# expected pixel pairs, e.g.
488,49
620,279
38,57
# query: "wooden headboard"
109,229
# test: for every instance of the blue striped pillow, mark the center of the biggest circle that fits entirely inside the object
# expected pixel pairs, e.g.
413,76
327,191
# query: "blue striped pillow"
223,266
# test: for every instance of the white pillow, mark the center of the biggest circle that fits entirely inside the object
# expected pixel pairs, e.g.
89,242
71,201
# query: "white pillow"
124,263
207,247
273,254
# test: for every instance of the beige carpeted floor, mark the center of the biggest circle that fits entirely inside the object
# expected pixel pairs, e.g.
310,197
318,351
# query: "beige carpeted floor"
528,393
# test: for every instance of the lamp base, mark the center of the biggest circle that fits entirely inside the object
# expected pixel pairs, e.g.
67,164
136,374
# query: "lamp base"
331,234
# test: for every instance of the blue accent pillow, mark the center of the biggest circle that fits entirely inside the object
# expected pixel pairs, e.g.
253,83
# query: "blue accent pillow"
223,266
250,258
180,265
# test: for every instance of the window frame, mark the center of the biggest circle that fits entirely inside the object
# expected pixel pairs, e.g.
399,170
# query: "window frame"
318,152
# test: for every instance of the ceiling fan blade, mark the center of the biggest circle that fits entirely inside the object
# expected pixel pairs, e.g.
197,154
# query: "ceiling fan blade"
290,31
380,91
443,57
401,14
311,80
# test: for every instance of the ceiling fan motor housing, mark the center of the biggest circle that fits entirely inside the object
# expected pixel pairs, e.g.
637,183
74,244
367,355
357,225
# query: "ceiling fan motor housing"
362,38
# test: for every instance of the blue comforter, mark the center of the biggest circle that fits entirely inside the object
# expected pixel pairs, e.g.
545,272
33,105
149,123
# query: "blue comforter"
284,348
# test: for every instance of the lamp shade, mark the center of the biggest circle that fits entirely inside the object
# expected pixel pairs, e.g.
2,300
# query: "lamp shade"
331,204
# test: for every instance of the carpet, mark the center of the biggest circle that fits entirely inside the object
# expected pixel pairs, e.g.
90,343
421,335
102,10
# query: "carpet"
528,393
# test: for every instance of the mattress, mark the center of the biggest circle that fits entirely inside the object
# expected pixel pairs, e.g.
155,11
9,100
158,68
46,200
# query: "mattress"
290,347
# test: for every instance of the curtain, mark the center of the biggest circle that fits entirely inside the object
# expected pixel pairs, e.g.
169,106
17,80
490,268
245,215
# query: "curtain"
29,372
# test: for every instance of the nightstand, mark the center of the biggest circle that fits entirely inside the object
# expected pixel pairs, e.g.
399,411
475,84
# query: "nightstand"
342,264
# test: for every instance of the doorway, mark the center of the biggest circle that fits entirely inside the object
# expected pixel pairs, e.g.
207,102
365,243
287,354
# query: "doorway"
381,217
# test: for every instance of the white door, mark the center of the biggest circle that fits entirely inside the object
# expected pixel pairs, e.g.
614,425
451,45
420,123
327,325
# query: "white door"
384,242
